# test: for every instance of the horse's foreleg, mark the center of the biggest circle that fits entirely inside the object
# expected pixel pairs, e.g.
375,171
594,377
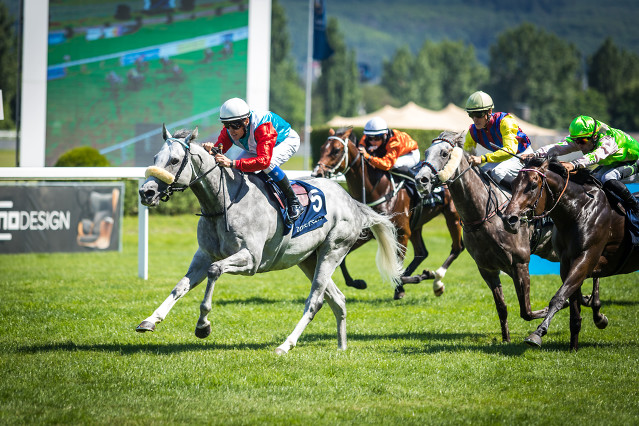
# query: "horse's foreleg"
522,287
575,318
572,280
455,230
492,280
194,276
358,284
238,262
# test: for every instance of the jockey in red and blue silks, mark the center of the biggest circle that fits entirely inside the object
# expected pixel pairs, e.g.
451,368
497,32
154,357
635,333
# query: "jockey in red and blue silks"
499,133
261,140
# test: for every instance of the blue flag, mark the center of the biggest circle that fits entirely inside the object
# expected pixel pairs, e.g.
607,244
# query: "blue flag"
321,49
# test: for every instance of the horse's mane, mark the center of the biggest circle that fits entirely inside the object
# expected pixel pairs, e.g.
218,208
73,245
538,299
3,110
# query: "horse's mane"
455,137
581,176
182,133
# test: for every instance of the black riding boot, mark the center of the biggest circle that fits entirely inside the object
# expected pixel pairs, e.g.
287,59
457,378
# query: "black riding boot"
294,207
507,182
622,191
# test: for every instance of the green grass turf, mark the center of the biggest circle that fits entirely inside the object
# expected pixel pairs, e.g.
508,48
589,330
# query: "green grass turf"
69,352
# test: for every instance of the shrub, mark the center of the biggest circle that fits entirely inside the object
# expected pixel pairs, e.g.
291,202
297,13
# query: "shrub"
84,156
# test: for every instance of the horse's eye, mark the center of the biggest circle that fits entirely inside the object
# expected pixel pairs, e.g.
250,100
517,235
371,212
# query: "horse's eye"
335,151
174,161
444,154
533,185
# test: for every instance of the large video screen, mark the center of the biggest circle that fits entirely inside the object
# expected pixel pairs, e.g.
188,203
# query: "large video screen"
118,70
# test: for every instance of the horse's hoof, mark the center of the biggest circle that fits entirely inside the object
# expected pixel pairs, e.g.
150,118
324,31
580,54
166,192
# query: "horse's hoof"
358,284
279,351
602,323
428,275
145,326
399,293
203,332
439,291
533,340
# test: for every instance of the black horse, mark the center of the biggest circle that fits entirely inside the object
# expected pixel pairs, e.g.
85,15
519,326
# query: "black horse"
589,234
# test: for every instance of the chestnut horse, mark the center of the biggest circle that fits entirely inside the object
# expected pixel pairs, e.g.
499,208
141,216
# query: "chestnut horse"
339,155
589,234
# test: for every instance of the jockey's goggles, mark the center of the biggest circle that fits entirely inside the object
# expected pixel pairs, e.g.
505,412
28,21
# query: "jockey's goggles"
581,141
235,125
375,137
477,114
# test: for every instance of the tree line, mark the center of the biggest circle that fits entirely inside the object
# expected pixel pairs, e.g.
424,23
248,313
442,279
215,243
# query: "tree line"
531,72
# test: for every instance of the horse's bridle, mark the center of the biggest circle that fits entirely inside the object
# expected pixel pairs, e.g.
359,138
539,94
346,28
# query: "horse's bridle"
544,183
329,171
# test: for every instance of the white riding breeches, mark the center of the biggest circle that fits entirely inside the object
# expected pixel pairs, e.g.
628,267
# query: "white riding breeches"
408,160
508,167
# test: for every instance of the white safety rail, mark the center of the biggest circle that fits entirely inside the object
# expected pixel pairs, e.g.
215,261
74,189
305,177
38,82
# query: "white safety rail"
105,173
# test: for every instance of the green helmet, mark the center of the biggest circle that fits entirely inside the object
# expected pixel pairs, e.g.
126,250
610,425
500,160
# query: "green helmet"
479,101
582,127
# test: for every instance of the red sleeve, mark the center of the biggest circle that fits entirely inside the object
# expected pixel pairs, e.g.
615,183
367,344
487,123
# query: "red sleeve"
224,140
265,138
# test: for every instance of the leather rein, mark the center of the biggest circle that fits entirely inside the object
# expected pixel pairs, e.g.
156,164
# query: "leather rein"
544,184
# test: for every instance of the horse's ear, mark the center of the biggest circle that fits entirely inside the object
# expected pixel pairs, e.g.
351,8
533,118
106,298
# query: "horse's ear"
195,133
165,133
331,132
347,133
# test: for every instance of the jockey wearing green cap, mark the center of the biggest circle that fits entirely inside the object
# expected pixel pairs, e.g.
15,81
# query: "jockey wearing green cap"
614,151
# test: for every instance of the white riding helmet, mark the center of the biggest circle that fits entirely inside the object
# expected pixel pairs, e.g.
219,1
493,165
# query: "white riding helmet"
376,126
234,109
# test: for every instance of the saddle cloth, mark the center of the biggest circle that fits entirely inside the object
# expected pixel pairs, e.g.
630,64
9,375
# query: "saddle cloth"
311,198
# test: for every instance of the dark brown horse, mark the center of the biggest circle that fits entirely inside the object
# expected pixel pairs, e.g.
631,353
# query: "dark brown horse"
589,235
479,202
367,184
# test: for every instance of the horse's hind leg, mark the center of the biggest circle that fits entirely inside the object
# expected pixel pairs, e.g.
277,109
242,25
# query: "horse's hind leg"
601,321
326,260
194,276
454,228
239,262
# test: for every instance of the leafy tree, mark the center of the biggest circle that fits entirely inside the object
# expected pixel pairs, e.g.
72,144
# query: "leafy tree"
533,67
8,68
338,86
397,75
427,77
615,74
286,90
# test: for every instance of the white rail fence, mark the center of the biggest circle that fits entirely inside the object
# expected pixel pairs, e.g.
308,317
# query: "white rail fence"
104,173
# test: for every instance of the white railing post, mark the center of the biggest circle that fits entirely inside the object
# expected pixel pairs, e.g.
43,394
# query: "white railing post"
143,239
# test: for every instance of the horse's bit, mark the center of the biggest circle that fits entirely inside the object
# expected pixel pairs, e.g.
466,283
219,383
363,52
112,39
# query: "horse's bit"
347,166
544,180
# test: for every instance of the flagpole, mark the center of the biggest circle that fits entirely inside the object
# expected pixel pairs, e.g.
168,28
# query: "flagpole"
309,77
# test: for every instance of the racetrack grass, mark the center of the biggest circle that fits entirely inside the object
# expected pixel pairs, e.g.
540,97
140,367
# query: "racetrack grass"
69,352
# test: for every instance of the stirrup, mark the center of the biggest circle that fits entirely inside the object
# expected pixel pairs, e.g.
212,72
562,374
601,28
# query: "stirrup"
294,211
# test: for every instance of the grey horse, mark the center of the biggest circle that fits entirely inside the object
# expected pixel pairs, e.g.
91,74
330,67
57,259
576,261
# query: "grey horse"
241,232
480,203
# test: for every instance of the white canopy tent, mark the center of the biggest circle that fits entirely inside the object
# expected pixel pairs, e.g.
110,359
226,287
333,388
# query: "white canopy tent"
412,116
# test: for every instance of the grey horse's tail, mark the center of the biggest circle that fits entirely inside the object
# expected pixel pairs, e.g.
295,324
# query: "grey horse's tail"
389,250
